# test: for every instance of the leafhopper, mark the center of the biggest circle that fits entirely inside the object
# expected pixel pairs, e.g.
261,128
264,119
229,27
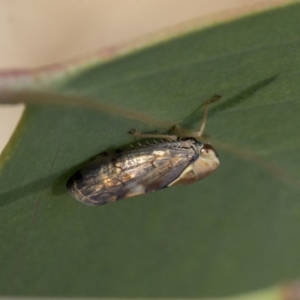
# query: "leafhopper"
177,159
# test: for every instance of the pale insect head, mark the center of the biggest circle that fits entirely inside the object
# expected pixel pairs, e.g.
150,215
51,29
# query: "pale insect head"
207,162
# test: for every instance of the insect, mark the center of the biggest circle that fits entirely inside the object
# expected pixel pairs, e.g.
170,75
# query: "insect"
177,159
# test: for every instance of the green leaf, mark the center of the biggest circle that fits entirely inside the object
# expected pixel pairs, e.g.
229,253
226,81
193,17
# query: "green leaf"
234,232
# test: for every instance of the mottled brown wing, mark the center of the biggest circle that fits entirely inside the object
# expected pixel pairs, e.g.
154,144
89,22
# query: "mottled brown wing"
128,174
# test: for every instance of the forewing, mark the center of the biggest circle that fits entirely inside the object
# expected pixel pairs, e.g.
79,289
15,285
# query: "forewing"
159,169
128,174
166,171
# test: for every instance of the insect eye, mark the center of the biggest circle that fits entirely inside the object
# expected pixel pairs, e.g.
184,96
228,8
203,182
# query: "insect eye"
208,152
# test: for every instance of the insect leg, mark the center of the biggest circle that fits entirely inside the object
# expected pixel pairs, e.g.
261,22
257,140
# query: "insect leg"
179,132
206,104
198,134
152,136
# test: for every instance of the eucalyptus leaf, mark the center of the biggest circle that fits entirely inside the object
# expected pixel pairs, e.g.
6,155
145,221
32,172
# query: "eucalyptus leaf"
234,232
